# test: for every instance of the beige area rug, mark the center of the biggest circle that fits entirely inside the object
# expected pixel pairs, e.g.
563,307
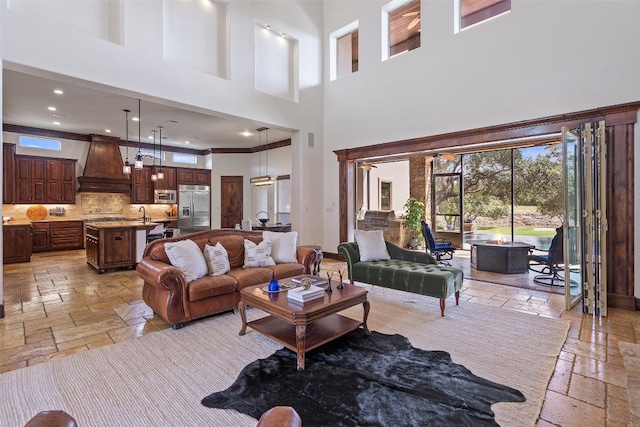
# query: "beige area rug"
160,378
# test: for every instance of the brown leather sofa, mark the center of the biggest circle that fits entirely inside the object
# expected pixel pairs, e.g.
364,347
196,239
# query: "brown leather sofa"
167,292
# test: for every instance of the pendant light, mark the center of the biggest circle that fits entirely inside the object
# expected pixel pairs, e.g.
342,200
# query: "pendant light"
160,173
265,179
138,164
154,176
126,169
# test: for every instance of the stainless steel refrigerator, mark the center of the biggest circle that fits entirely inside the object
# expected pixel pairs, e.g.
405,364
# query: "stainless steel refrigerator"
194,208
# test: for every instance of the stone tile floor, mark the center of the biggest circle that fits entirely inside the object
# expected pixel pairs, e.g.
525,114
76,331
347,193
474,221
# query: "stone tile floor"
57,305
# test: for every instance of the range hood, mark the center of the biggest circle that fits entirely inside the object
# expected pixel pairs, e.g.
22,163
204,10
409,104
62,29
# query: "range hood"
103,168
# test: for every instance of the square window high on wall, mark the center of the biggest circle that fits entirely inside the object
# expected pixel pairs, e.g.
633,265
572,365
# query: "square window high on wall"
470,12
343,48
400,27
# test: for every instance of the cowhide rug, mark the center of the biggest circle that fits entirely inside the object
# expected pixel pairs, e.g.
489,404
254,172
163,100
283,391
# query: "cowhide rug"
360,380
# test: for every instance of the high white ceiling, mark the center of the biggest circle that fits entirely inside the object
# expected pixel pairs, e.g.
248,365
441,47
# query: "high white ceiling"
86,110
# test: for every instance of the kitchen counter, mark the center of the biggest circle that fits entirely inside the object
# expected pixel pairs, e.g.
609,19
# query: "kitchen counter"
138,225
92,221
16,223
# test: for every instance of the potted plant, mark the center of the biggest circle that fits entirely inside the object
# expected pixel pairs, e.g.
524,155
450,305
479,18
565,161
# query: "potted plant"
413,214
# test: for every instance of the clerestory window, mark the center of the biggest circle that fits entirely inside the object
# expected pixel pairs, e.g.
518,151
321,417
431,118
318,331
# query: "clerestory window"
344,51
470,12
402,25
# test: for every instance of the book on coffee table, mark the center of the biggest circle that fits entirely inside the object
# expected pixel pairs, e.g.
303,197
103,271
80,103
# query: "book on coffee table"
315,280
300,294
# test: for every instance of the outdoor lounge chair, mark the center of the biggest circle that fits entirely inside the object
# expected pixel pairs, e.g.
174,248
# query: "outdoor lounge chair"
548,266
438,248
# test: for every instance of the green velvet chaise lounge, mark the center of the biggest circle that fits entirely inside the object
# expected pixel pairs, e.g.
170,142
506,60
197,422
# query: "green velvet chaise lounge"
410,271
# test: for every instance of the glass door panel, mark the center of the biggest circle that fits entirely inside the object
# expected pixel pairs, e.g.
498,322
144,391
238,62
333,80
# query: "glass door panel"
447,202
537,193
572,171
487,195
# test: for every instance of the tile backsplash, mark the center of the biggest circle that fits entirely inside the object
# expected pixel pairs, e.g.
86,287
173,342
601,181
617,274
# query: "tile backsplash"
94,205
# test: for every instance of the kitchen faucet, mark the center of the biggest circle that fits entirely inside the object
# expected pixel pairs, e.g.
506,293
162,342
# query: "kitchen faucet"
144,214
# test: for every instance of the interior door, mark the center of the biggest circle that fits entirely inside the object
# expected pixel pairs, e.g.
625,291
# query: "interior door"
231,201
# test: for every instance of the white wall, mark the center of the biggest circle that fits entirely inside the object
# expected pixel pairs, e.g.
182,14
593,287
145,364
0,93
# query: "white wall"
398,173
532,62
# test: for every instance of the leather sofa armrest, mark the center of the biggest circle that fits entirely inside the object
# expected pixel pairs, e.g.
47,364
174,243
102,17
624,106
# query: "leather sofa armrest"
155,273
166,279
397,252
306,257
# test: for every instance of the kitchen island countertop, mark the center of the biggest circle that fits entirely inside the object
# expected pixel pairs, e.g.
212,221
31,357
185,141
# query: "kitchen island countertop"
119,224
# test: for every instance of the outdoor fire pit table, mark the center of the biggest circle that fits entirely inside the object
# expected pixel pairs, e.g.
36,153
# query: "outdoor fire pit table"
500,256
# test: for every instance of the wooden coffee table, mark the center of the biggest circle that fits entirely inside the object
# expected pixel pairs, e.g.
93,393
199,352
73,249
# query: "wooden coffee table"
303,327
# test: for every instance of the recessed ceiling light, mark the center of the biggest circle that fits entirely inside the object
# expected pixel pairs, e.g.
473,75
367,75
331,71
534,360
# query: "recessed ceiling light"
282,35
186,142
135,119
246,133
58,91
107,130
150,137
60,116
172,121
51,108
268,27
56,123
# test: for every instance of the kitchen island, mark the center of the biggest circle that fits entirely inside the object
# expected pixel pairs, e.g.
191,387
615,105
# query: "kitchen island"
115,244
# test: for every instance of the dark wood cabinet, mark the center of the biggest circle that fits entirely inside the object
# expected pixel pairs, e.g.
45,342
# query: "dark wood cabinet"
193,176
44,180
64,235
110,247
169,181
41,237
60,181
8,172
57,235
16,244
141,185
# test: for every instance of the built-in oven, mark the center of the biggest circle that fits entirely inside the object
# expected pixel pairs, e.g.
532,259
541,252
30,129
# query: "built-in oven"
165,196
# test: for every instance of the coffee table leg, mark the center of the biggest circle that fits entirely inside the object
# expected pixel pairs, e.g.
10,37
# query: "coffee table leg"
301,333
366,306
242,308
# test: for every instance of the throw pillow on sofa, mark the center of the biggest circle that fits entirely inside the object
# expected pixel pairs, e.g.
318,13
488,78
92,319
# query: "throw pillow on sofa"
371,245
257,255
217,259
186,255
283,246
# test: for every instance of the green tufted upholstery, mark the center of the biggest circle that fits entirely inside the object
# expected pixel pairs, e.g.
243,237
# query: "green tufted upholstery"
410,271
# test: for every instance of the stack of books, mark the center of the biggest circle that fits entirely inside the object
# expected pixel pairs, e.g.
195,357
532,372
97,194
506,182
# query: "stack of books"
300,294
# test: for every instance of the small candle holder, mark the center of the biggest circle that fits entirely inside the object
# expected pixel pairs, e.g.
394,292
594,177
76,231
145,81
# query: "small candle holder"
340,285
